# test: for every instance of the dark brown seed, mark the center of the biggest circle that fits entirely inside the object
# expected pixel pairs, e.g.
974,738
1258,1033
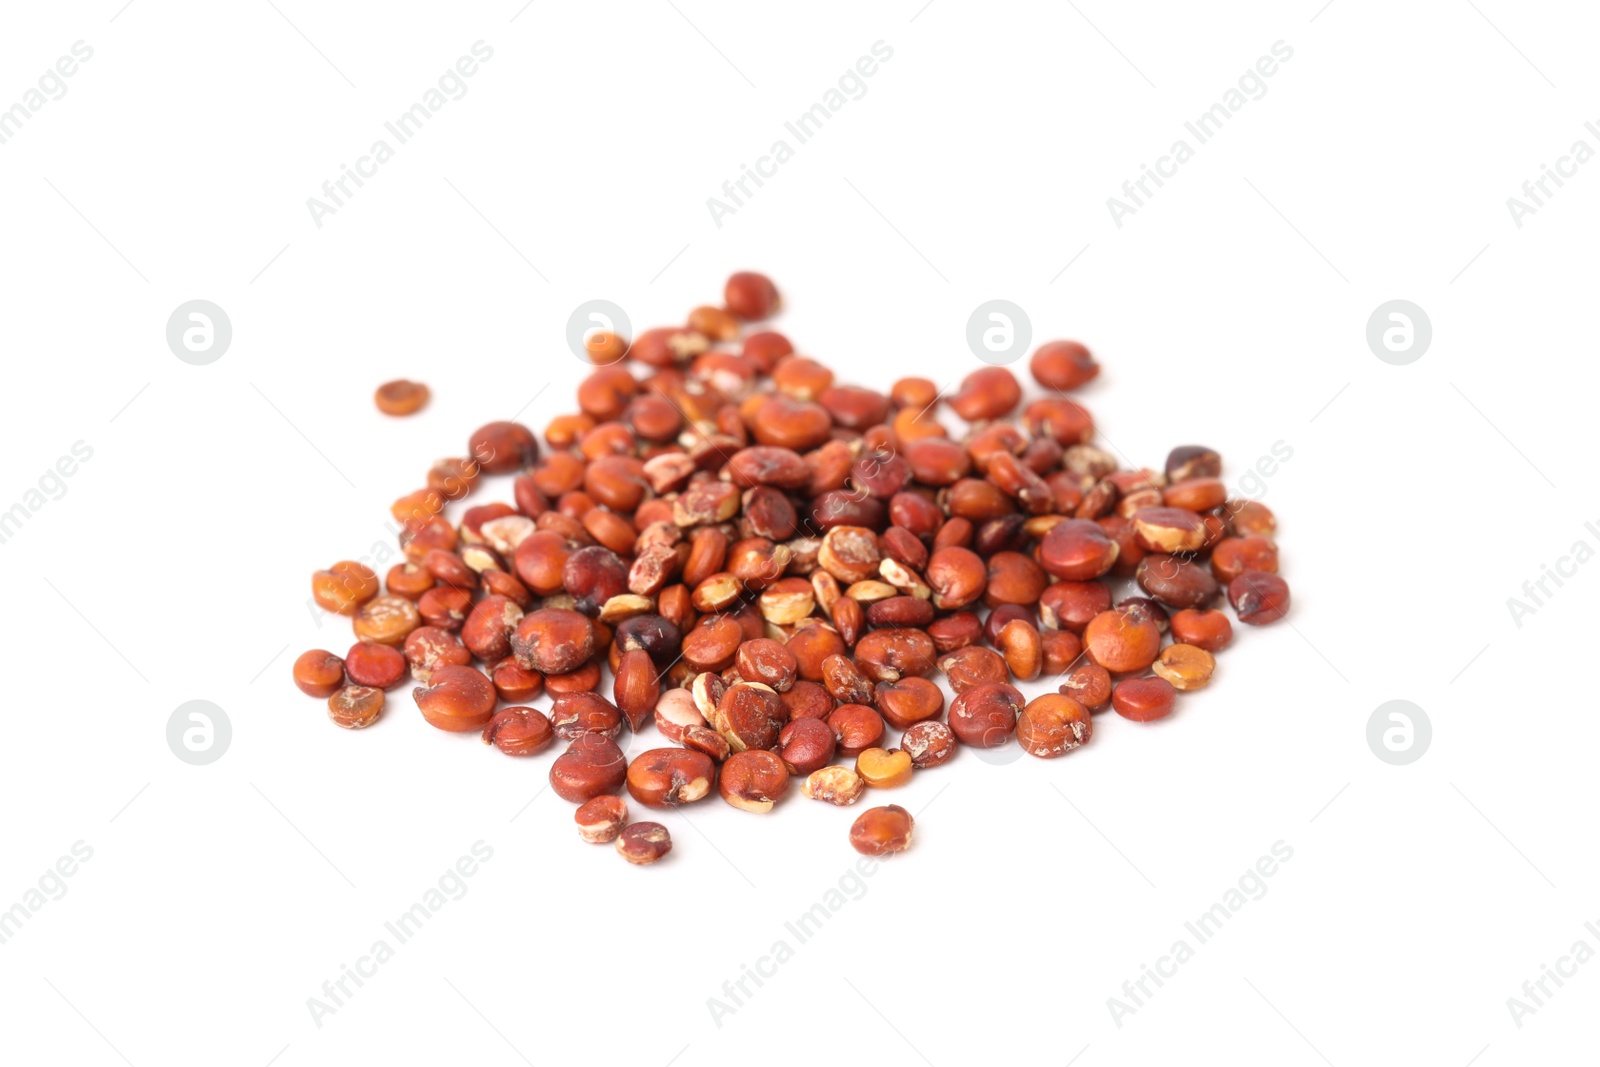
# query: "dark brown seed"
1193,461
1178,581
1258,597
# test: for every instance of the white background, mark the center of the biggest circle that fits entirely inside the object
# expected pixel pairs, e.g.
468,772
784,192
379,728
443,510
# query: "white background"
1231,310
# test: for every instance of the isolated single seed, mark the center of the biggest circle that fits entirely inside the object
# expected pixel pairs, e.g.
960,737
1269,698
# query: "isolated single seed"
487,629
879,831
956,577
951,632
400,397
850,553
